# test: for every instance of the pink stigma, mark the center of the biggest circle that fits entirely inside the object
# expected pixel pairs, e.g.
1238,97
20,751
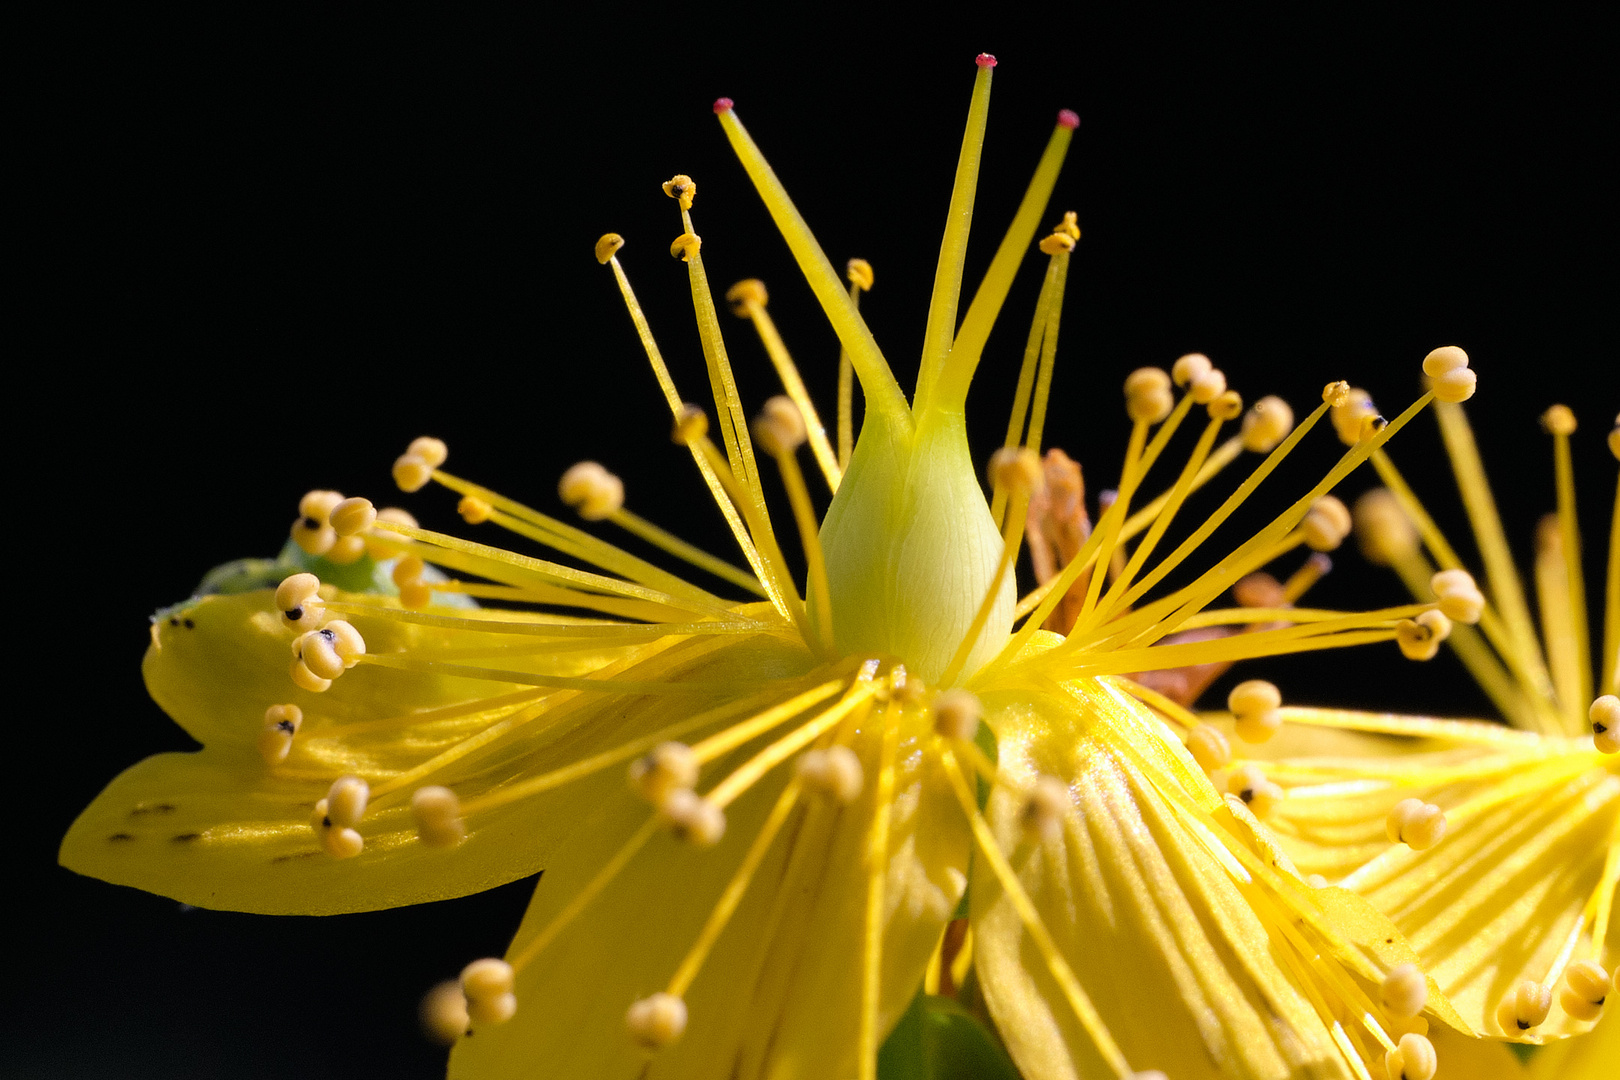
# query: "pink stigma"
985,60
1069,118
724,105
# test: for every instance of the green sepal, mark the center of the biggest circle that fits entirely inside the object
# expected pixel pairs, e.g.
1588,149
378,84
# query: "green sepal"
937,1039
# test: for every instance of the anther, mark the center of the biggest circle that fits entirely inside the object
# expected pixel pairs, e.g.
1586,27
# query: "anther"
779,428
1558,420
313,530
1447,369
306,679
1208,386
1070,225
691,424
1326,524
1405,991
859,272
1228,405
1056,242
353,516
331,650
487,985
414,468
591,490
746,295
1412,1059
1417,824
956,714
683,188
438,817
1266,424
443,1013
693,817
298,599
1209,747
655,1022
281,723
685,246
1256,704
1386,535
608,246
665,769
834,773
1187,369
336,816
1249,783
1336,393
1045,808
414,593
1460,599
1526,1006
380,549
1605,717
1017,468
1420,638
1147,395
1586,984
473,510
1349,413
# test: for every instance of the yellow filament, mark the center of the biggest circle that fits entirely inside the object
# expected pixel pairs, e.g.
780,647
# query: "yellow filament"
883,393
1158,702
726,906
1611,605
846,391
1012,535
583,898
1109,526
1042,345
1237,647
724,742
1090,1020
594,684
788,373
1575,589
673,399
1223,456
992,291
1551,575
1482,733
492,623
557,594
690,553
877,868
773,755
941,326
1604,894
1300,581
804,516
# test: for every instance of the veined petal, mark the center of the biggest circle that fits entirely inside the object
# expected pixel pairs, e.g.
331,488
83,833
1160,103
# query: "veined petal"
780,995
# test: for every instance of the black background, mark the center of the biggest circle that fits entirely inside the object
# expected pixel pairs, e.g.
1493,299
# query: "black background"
259,252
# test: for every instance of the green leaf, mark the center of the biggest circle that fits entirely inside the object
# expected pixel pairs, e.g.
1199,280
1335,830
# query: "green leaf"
937,1039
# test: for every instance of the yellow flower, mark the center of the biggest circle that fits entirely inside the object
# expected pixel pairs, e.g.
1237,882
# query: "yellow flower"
804,812
1495,850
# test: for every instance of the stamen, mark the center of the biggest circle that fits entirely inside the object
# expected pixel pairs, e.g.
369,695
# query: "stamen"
312,530
1605,718
664,770
693,817
1417,824
1255,705
1404,992
656,1021
1573,679
281,723
1249,783
834,773
1045,809
859,272
438,817
1413,1059
587,895
1209,747
1447,366
1460,599
1326,525
1420,638
591,490
1611,592
487,985
877,869
780,430
1526,1006
352,517
443,1013
298,599
956,714
1586,985
336,816
414,468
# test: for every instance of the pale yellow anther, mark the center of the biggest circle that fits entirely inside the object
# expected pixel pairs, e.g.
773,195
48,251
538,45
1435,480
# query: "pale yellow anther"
1455,386
1208,386
834,773
1249,783
415,595
281,723
1586,985
694,818
473,510
411,473
487,985
1350,413
593,491
1056,243
331,650
685,246
318,505
859,272
1256,705
1386,535
346,802
608,246
379,548
346,550
657,1021
443,1013
438,817
956,714
1404,992
409,568
665,769
681,187
1420,638
1326,524
1189,368
1266,424
747,295
1016,468
1445,358
779,428
1526,1006
306,679
1336,393
312,530
1412,1059
1558,420
1605,717
1228,405
1045,808
691,424
1417,824
1069,226
1460,599
1147,395
299,602
431,450
1209,747
353,516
